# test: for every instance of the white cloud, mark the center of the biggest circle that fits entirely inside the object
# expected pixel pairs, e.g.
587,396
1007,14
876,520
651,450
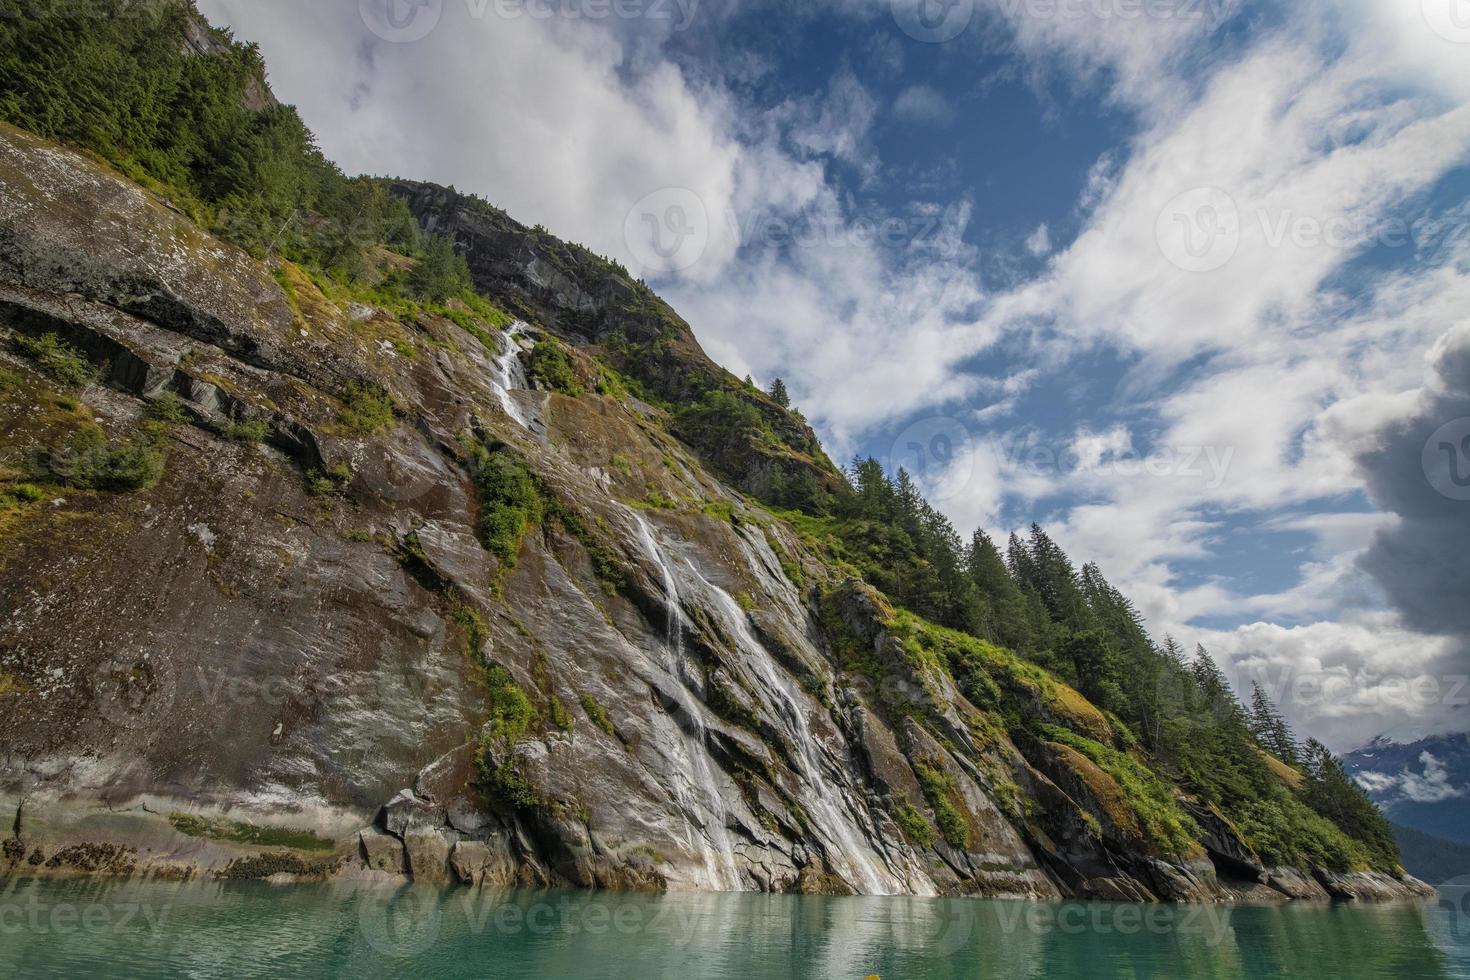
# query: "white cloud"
1347,681
1038,243
1431,786
923,104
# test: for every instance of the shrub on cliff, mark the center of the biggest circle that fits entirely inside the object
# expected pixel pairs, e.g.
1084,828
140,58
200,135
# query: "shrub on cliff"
88,461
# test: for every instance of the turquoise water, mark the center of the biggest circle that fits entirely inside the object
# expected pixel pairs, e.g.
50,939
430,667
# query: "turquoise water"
78,928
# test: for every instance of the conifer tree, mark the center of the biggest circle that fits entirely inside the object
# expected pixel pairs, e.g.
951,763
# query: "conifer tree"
779,394
1270,728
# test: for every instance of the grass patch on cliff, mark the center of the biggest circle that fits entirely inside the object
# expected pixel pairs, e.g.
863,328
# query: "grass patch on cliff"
217,828
513,500
367,409
510,501
56,358
596,713
88,461
915,825
995,679
944,798
1150,801
511,712
247,432
512,715
551,368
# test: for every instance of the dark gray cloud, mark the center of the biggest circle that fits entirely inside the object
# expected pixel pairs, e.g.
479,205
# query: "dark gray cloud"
1420,472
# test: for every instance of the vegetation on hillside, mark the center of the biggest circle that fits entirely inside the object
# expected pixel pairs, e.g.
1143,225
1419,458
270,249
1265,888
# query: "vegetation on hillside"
1018,625
1171,717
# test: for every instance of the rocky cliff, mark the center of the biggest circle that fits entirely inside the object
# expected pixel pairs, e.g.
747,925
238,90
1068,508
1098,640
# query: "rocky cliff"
316,587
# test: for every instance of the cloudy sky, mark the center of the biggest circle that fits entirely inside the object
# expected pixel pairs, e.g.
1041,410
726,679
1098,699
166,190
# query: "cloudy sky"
1188,281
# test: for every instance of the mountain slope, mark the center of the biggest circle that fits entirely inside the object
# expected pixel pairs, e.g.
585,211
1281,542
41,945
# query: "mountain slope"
448,553
1423,785
1434,858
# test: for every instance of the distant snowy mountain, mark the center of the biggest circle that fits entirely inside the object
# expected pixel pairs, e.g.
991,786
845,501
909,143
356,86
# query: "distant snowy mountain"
1423,785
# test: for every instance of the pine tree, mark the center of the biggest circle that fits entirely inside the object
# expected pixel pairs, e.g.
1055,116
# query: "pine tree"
1270,728
1046,569
779,394
441,273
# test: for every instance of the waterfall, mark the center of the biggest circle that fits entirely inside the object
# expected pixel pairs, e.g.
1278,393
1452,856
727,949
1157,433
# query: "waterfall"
694,784
849,854
847,851
510,374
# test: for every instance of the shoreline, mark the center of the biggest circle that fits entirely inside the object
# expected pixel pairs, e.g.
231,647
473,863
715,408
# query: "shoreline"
151,841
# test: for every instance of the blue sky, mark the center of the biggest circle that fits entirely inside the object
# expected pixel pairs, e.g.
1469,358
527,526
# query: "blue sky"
1170,276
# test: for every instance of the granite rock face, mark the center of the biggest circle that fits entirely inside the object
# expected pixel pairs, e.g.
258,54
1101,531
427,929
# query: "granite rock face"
275,661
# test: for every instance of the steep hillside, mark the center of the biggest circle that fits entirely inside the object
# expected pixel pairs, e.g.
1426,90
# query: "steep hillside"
437,547
1434,858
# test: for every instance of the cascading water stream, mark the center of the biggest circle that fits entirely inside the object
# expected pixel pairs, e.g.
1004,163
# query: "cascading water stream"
848,854
510,374
714,842
825,802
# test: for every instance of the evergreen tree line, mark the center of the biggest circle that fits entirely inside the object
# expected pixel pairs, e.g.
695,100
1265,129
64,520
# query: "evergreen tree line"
1180,710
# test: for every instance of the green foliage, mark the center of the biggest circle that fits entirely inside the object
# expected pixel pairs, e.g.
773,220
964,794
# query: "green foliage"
549,366
215,828
58,359
657,500
512,715
1270,729
720,510
20,493
915,825
442,272
246,431
1331,792
1149,797
166,408
510,501
87,461
367,409
511,712
943,796
513,500
779,394
596,713
328,482
560,716
8,379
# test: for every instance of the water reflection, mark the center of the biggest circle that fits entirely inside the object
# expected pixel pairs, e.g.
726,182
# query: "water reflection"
230,930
